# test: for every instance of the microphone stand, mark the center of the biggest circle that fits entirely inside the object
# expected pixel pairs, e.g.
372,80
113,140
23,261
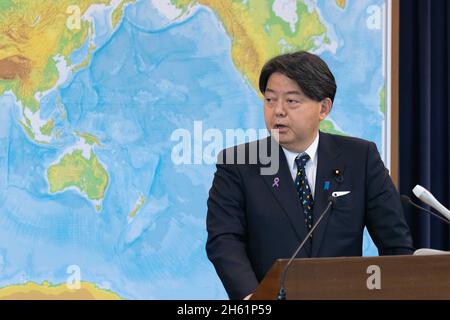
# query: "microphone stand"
282,291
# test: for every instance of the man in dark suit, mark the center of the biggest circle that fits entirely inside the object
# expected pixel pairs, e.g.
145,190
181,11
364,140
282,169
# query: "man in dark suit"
254,218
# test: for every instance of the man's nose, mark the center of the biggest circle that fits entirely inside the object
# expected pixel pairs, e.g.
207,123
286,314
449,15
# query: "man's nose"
279,109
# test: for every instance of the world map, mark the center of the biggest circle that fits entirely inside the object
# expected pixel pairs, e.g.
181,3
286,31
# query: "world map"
92,205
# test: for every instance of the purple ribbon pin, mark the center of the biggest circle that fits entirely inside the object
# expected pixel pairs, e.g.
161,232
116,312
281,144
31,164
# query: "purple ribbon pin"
275,182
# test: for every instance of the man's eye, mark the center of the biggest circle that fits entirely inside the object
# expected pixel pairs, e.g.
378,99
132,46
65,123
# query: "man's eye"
291,101
269,100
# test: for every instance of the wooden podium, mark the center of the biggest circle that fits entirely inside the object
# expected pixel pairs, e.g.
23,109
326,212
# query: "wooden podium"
398,277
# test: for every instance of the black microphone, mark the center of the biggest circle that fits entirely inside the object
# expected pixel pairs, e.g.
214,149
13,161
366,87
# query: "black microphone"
407,201
282,291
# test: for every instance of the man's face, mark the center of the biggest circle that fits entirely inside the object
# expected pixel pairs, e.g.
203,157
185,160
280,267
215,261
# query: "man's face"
289,111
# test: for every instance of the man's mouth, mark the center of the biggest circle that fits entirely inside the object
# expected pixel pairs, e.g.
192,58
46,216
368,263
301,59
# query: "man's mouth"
280,127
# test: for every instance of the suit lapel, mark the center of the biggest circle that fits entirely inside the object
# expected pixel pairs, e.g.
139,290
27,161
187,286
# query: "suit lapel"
328,160
282,187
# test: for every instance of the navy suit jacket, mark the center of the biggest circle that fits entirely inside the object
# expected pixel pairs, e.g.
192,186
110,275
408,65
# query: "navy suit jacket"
251,222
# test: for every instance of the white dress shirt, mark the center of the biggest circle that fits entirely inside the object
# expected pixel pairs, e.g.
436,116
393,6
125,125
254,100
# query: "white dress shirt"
311,165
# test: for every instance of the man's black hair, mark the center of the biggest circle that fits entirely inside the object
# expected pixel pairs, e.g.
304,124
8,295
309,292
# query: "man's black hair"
309,71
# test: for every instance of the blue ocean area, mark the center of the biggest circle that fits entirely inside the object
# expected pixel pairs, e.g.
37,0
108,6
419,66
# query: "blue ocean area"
357,69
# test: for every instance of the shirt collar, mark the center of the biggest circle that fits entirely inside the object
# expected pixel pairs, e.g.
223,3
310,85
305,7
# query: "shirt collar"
311,151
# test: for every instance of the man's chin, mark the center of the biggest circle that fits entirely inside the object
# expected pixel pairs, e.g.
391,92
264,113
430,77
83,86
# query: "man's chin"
283,140
281,137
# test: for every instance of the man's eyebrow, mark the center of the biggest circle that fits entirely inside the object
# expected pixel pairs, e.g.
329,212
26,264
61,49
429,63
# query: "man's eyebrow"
294,92
285,93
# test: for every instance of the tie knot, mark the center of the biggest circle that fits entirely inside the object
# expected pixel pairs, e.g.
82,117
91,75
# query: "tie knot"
302,160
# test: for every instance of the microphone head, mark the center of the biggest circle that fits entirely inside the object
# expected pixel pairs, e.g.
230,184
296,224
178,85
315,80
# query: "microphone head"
418,191
425,196
332,200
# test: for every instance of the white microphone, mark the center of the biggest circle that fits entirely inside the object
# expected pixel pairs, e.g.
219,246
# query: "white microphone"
426,196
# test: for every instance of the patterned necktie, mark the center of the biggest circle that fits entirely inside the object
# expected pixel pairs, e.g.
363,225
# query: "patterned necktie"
303,189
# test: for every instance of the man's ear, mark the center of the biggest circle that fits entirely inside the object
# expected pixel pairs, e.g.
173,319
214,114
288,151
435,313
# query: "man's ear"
325,108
